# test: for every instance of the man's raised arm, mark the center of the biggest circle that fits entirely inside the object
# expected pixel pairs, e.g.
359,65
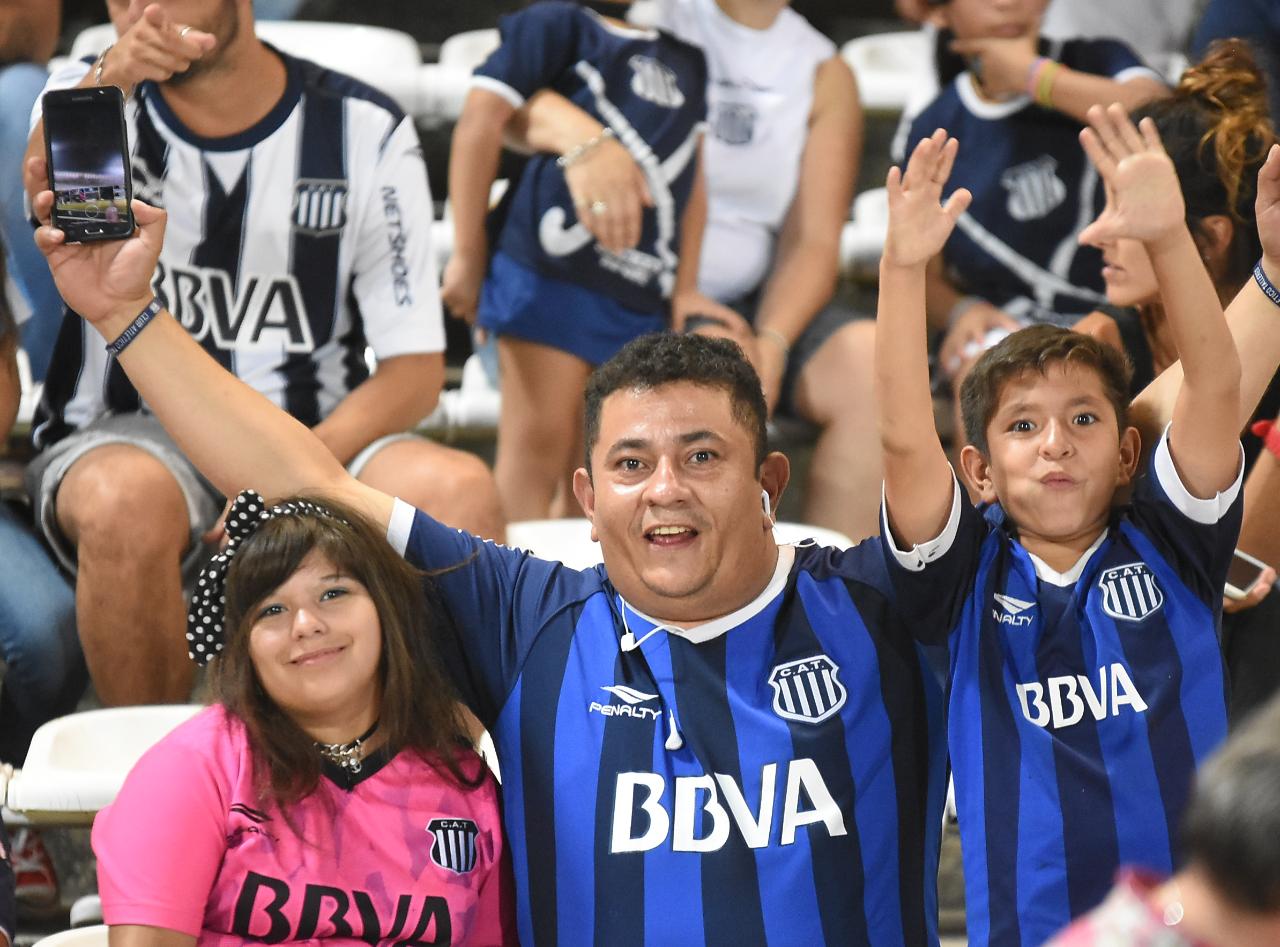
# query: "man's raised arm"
918,482
235,436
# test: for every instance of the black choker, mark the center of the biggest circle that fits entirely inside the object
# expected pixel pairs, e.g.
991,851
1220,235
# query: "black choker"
347,755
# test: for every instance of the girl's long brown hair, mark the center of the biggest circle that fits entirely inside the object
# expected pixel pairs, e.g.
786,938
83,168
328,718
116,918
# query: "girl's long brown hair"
419,708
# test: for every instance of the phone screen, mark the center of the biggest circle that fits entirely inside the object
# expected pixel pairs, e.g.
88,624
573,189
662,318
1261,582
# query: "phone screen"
88,163
1242,573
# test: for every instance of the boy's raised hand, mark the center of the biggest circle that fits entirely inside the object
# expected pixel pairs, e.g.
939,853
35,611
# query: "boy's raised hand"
918,224
1144,200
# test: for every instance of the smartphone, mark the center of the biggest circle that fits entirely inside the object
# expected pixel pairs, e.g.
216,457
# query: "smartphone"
87,150
1242,574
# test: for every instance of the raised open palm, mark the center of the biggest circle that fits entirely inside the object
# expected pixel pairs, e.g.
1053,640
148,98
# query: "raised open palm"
1267,206
1144,200
919,224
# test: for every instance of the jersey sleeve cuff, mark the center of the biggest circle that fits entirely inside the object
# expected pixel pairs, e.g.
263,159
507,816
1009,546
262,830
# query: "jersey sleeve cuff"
500,88
1205,511
400,525
920,555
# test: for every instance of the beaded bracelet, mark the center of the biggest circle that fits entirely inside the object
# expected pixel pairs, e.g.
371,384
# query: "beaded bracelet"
131,331
1260,277
580,151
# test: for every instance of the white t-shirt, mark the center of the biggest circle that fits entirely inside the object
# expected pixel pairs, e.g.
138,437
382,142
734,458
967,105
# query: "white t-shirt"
759,100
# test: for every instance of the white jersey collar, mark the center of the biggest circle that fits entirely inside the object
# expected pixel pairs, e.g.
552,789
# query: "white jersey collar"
1046,573
716,627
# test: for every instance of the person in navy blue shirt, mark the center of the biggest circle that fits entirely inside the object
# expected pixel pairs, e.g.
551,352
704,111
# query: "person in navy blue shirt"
1085,677
710,739
580,266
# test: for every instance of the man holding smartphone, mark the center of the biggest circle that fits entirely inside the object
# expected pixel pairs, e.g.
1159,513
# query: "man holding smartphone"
300,236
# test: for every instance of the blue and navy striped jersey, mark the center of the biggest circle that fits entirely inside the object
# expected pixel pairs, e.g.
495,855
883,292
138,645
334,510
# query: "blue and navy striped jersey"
649,89
1033,190
1080,703
775,776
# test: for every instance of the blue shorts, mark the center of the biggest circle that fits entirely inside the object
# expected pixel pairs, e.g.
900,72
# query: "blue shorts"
520,302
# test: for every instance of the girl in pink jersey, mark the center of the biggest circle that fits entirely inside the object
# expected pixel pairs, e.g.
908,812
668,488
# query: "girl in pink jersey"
330,793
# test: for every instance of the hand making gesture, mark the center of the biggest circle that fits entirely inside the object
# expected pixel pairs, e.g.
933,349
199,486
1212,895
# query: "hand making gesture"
919,224
1144,200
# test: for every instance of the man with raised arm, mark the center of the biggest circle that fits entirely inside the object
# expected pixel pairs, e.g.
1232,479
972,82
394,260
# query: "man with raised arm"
712,738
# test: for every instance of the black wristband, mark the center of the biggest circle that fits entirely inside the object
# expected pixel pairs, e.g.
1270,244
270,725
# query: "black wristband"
1264,284
131,331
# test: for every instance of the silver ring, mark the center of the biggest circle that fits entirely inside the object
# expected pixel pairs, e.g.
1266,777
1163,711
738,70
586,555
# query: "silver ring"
599,208
182,33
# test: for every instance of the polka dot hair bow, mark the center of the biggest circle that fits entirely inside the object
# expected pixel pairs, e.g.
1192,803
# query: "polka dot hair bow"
205,634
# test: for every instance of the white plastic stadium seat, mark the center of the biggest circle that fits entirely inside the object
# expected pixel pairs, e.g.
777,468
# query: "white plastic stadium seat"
95,936
77,763
862,239
468,50
893,69
569,541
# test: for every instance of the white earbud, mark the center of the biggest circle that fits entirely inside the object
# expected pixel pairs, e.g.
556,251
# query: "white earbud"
767,503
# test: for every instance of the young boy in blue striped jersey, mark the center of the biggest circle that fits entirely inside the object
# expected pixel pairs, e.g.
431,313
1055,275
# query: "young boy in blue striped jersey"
1085,677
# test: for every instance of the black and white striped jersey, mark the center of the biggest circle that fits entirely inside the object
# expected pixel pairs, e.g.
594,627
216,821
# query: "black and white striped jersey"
291,249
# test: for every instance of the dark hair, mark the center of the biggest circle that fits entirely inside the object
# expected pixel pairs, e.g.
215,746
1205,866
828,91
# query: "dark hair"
1217,129
664,358
418,712
1035,348
1231,827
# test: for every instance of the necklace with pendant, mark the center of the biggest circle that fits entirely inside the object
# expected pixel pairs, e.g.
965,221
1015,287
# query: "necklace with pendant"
347,755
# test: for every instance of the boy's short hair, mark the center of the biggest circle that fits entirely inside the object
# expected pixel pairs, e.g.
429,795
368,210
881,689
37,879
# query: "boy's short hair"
665,358
1035,348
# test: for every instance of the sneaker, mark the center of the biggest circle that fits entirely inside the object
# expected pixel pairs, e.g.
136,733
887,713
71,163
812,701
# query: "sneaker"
36,883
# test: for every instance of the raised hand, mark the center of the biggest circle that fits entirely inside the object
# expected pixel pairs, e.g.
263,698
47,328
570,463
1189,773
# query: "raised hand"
105,278
1144,200
1267,210
918,224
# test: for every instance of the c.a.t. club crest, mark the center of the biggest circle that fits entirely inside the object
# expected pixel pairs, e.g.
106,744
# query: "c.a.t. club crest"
808,690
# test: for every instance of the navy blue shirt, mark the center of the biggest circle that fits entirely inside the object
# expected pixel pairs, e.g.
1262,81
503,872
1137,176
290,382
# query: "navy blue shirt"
1033,190
1079,704
773,776
649,88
